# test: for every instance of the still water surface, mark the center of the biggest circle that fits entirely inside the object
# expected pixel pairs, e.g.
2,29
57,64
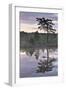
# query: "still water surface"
33,62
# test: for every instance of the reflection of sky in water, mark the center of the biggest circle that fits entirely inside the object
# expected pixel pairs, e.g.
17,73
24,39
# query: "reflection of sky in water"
29,64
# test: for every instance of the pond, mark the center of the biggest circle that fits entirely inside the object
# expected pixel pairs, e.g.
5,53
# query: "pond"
35,63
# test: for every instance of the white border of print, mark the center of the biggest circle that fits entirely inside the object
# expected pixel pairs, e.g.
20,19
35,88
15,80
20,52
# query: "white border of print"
14,67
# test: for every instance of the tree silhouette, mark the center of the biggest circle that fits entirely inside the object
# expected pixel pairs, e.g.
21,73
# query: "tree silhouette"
47,26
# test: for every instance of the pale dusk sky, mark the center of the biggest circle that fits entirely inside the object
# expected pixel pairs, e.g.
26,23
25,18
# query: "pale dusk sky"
28,21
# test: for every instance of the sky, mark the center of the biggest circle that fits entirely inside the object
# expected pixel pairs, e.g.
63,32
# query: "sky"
28,21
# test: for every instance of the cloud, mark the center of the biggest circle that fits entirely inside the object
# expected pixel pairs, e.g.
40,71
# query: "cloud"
28,27
30,17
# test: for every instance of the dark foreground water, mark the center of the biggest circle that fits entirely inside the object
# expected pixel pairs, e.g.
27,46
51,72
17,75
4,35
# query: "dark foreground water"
33,62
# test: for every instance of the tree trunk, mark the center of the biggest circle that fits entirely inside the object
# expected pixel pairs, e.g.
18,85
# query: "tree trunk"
47,48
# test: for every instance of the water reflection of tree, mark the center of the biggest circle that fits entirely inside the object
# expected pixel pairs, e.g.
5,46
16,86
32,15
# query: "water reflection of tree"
42,65
30,51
